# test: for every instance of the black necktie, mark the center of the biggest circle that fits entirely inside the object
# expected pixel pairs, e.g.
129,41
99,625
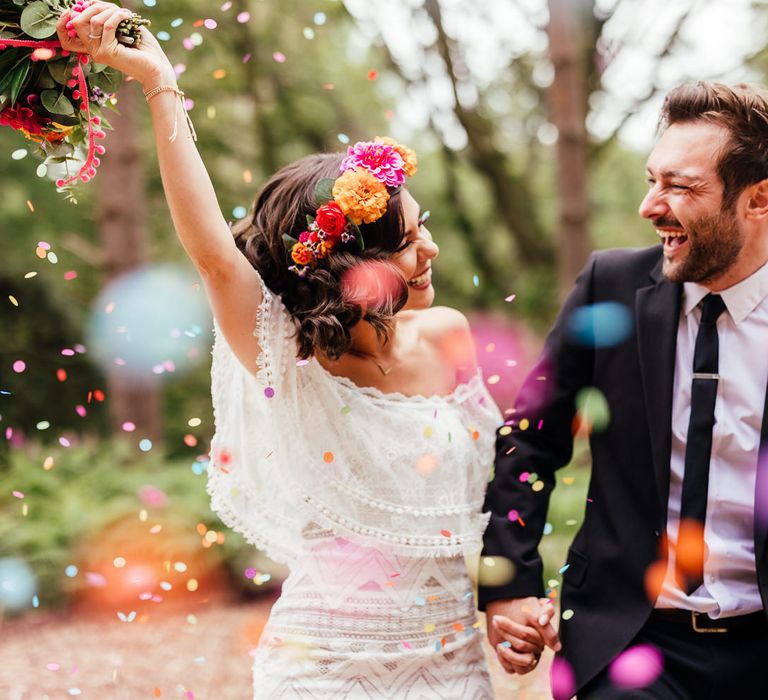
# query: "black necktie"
698,449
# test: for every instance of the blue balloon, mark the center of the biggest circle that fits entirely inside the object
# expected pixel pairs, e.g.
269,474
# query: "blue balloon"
149,322
601,325
18,585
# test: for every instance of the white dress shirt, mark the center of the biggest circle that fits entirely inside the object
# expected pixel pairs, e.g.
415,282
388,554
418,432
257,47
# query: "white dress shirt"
730,580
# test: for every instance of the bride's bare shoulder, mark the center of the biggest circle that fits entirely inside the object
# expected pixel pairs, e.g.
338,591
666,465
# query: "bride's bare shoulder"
449,331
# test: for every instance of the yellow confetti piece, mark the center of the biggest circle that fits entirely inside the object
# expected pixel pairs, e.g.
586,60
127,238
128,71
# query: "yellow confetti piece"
48,463
428,431
211,536
119,562
192,585
494,379
247,177
568,480
567,614
538,485
429,627
13,300
525,424
505,430
30,275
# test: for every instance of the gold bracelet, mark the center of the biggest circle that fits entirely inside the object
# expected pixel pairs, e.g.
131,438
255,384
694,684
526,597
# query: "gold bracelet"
149,94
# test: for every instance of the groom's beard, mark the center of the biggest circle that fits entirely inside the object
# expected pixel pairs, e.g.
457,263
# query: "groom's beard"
714,244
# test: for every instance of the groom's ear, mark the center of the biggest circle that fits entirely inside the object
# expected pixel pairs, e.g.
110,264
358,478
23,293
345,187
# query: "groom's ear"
756,204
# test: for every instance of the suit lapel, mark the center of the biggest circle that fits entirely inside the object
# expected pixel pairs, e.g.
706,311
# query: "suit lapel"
657,312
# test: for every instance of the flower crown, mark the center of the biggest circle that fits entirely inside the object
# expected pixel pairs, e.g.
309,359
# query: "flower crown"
372,171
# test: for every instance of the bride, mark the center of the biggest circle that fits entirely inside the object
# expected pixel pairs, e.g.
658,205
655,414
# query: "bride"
354,434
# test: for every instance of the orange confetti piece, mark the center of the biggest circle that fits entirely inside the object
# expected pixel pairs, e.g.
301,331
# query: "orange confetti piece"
373,74
328,457
458,627
157,692
61,375
31,206
219,74
445,533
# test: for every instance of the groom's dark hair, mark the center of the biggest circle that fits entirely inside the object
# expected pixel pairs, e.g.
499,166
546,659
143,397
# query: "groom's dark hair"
743,111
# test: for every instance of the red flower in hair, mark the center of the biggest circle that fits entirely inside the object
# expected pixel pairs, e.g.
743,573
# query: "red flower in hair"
331,220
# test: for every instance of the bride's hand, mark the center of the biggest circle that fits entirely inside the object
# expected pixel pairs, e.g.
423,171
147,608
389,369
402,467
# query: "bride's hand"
96,26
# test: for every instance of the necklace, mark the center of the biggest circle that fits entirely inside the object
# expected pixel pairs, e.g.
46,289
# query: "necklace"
365,356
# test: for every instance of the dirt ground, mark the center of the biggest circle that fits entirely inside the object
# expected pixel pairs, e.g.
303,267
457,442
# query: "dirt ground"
200,654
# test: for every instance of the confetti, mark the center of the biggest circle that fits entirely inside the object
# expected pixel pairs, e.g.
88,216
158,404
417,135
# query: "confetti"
567,614
18,494
328,457
279,56
19,366
373,74
446,533
243,17
269,392
511,297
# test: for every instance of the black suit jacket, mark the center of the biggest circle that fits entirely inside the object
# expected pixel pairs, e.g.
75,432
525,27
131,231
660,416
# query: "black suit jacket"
626,509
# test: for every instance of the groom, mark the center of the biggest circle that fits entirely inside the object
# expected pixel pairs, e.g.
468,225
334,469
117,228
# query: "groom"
673,552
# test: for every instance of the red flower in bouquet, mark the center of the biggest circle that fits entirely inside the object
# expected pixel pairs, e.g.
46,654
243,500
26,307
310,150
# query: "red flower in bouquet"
24,119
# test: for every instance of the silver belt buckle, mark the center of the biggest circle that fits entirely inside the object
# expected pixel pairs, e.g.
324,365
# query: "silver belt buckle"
701,630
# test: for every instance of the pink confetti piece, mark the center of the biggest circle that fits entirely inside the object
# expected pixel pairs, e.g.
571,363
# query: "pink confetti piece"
243,17
279,56
511,297
70,275
18,494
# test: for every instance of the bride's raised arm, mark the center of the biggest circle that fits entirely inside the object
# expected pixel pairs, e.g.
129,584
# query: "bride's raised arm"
233,285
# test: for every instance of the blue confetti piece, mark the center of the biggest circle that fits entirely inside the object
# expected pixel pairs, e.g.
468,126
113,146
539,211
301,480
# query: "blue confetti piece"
564,569
600,325
420,601
476,281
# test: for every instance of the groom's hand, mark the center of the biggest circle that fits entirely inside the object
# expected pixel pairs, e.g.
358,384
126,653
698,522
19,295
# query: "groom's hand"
519,629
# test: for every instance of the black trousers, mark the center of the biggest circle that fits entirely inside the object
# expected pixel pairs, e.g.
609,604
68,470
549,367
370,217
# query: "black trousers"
697,666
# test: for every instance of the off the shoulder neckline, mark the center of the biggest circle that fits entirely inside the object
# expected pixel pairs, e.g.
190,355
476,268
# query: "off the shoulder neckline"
459,393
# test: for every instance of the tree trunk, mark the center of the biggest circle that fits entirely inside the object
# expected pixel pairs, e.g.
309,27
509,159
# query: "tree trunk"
122,224
568,103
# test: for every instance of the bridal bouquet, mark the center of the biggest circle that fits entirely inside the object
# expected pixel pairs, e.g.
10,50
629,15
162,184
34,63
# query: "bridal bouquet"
52,97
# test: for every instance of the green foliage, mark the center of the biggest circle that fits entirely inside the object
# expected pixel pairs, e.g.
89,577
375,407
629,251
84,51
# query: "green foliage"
88,488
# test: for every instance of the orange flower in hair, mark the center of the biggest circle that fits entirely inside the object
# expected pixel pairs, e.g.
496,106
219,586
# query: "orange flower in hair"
362,197
301,255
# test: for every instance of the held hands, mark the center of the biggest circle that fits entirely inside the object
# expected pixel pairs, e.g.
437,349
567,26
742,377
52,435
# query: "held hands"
96,29
519,629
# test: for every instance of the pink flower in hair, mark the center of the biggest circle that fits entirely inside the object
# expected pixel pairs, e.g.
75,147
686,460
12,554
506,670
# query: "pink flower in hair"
379,159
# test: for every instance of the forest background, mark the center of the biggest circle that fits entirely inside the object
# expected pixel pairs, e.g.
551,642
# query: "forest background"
532,121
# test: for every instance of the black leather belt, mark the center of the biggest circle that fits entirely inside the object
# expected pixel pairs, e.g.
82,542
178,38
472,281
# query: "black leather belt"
754,623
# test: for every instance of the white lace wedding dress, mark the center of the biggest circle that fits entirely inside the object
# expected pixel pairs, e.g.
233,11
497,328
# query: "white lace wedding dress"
372,499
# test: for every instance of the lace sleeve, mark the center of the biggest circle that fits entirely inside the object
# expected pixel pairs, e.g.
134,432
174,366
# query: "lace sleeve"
249,412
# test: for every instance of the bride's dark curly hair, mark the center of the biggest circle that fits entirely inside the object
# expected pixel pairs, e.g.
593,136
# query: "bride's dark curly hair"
323,314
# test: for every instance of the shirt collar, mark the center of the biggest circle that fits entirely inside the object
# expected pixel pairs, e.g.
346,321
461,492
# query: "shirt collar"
741,299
